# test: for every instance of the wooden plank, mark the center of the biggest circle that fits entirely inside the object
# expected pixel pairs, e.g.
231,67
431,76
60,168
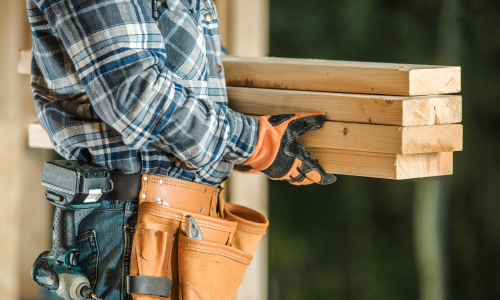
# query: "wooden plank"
341,76
355,108
385,139
24,62
346,162
383,165
38,137
350,136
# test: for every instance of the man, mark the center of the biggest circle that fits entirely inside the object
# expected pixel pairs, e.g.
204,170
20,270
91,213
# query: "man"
138,87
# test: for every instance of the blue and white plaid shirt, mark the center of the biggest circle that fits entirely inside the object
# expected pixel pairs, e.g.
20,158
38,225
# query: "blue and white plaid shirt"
137,86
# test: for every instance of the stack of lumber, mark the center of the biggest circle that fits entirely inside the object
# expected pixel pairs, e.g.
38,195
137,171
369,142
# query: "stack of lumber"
383,120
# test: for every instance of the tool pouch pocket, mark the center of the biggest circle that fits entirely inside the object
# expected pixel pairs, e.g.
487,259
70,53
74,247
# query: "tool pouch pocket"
150,274
209,271
252,226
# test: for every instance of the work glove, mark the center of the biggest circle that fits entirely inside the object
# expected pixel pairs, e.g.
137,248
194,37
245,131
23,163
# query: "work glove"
278,155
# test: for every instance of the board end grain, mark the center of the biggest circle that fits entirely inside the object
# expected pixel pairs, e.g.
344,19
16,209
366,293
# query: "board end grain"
435,81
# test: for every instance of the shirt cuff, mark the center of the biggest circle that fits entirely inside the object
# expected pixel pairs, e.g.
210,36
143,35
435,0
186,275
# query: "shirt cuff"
244,134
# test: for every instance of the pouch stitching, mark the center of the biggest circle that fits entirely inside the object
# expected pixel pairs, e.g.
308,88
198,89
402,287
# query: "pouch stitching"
251,231
171,246
191,186
210,224
237,257
251,227
133,256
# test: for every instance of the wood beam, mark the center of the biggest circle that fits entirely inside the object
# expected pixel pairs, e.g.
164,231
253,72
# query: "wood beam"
252,72
349,136
385,139
383,165
355,108
344,162
341,76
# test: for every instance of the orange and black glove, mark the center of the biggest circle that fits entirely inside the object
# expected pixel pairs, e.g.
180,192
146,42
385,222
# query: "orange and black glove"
278,155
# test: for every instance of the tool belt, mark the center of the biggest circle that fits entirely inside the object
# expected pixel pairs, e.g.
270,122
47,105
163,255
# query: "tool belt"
166,263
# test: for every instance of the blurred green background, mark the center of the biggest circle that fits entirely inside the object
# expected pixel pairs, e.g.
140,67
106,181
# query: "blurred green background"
364,238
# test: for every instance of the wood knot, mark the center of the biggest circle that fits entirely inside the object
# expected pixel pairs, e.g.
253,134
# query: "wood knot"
345,131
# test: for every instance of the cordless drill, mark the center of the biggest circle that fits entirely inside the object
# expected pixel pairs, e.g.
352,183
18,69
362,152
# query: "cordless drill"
71,185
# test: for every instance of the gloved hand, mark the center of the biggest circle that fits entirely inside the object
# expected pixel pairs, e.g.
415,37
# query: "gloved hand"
278,155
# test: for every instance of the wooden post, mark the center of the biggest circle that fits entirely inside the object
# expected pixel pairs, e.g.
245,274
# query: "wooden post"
245,32
432,194
249,28
25,214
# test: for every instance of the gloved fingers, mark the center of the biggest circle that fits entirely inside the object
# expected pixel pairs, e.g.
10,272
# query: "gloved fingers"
321,177
300,180
296,177
311,168
306,123
245,169
294,124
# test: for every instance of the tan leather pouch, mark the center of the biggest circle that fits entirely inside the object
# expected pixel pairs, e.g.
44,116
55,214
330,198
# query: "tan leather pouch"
155,249
209,271
252,226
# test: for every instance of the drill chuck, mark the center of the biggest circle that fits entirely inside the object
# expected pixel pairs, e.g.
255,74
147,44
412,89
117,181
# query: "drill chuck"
74,286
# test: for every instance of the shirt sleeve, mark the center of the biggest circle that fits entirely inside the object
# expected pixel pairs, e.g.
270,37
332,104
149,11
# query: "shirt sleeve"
119,54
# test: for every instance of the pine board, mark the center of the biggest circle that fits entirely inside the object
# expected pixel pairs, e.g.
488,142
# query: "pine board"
382,165
343,162
355,108
385,139
341,76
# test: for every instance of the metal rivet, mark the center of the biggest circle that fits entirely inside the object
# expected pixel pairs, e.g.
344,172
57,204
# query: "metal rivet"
205,191
143,196
201,209
155,234
158,199
161,181
173,233
145,178
208,17
219,68
183,227
140,233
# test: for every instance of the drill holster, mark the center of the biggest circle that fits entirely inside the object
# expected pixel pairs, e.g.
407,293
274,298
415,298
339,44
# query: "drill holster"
167,263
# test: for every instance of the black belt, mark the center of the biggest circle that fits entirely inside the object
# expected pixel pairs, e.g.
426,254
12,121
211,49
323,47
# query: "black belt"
125,187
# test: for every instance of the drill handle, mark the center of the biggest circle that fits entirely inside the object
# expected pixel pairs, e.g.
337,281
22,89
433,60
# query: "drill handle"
63,231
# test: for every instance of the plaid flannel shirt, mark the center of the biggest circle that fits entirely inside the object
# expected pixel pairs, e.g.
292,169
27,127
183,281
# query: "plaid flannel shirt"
137,86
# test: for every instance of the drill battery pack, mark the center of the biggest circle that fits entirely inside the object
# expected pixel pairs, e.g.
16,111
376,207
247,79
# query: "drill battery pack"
75,184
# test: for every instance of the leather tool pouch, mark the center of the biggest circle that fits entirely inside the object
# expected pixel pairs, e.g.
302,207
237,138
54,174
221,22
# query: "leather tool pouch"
252,226
165,263
209,271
